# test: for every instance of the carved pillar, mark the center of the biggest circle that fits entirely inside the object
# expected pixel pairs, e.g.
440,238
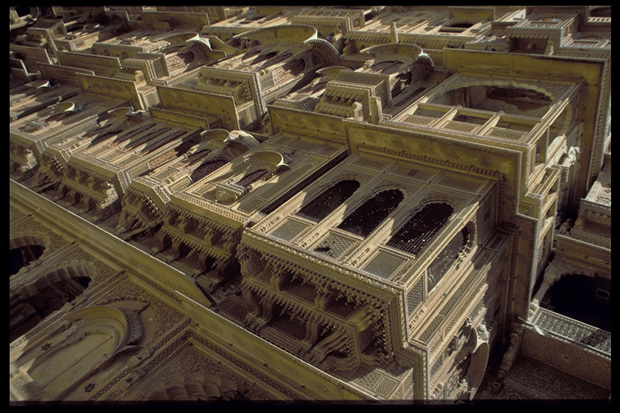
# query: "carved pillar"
267,314
261,310
84,204
278,279
203,257
72,196
212,385
216,274
209,234
175,388
62,192
251,262
323,298
122,222
41,177
512,352
229,242
160,242
194,386
175,251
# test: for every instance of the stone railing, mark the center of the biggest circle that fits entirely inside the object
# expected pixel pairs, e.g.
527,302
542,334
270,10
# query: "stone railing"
581,334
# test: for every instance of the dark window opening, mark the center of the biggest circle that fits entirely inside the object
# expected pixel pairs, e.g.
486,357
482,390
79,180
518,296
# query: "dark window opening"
455,27
511,100
206,168
58,116
146,138
321,206
184,146
22,256
372,213
156,144
186,57
420,229
447,256
303,184
286,324
601,12
27,313
194,158
463,25
22,10
579,297
470,119
401,82
130,134
252,177
263,58
294,67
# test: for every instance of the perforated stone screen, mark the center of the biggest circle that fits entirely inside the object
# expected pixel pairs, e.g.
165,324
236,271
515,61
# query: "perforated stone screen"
415,295
383,264
289,230
334,245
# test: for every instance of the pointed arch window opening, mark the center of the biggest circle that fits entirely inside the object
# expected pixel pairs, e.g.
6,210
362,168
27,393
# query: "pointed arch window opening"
372,213
421,228
22,256
324,204
26,313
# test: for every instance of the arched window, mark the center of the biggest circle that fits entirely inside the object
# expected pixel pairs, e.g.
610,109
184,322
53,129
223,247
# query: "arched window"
27,309
329,200
21,256
447,256
420,229
367,217
24,250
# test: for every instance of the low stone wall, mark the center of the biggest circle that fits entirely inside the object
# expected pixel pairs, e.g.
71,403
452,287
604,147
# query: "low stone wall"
574,359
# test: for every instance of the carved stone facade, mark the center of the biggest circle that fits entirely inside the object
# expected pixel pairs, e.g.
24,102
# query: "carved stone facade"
264,203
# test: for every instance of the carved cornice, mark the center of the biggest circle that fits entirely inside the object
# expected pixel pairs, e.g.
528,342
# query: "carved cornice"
431,161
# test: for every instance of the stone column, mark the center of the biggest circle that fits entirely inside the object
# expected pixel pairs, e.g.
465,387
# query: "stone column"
393,33
552,274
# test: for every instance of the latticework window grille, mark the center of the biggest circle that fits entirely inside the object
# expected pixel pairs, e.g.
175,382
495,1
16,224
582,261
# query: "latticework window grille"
421,228
328,201
206,168
367,217
334,245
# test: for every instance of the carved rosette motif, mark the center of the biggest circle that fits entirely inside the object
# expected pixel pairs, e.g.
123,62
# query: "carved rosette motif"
425,146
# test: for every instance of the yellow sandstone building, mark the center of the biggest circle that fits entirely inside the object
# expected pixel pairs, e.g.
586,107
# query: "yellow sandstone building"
376,204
